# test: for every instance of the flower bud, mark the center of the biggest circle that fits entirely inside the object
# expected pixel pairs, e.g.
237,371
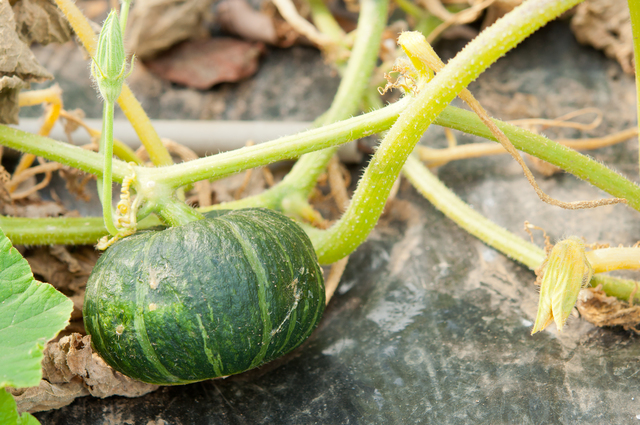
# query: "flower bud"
567,270
109,64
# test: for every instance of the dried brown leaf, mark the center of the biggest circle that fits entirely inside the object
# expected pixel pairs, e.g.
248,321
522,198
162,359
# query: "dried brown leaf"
94,10
5,196
17,60
63,255
66,271
47,396
338,183
605,25
201,64
601,310
40,21
71,370
156,25
9,92
18,66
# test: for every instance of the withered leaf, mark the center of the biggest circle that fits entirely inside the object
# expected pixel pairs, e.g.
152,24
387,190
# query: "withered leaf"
67,272
18,66
70,370
201,64
602,310
605,25
16,58
9,91
156,25
40,21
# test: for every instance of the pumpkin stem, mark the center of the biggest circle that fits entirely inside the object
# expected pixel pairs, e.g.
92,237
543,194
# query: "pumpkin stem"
176,213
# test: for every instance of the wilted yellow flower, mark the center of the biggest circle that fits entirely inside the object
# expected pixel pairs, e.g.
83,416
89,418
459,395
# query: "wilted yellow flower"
567,270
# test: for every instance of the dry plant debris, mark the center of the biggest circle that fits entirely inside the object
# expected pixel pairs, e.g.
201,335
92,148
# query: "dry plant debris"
331,196
289,12
76,182
225,190
428,56
465,16
335,274
237,17
203,63
498,9
33,208
18,66
435,157
605,25
67,271
286,31
156,25
544,168
601,310
40,21
72,370
336,173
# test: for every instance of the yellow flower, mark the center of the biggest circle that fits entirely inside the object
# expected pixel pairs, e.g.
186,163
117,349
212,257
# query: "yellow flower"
566,271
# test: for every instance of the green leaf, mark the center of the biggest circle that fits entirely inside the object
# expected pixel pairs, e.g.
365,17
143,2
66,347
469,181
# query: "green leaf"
27,419
31,313
9,413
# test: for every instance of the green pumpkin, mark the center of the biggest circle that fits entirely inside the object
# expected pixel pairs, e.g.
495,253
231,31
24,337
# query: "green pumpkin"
210,298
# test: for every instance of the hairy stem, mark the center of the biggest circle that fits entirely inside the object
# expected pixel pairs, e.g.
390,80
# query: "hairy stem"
325,21
60,230
175,212
469,219
539,146
634,11
512,245
287,147
132,109
106,149
617,287
371,22
607,259
124,14
64,153
374,186
224,164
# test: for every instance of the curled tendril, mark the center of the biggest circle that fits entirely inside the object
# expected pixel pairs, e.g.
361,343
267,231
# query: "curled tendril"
126,212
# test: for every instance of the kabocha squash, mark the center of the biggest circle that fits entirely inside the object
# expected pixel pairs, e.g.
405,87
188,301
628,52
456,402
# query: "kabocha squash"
211,298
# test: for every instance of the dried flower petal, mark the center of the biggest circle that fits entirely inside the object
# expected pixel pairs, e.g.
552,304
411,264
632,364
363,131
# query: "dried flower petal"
567,271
